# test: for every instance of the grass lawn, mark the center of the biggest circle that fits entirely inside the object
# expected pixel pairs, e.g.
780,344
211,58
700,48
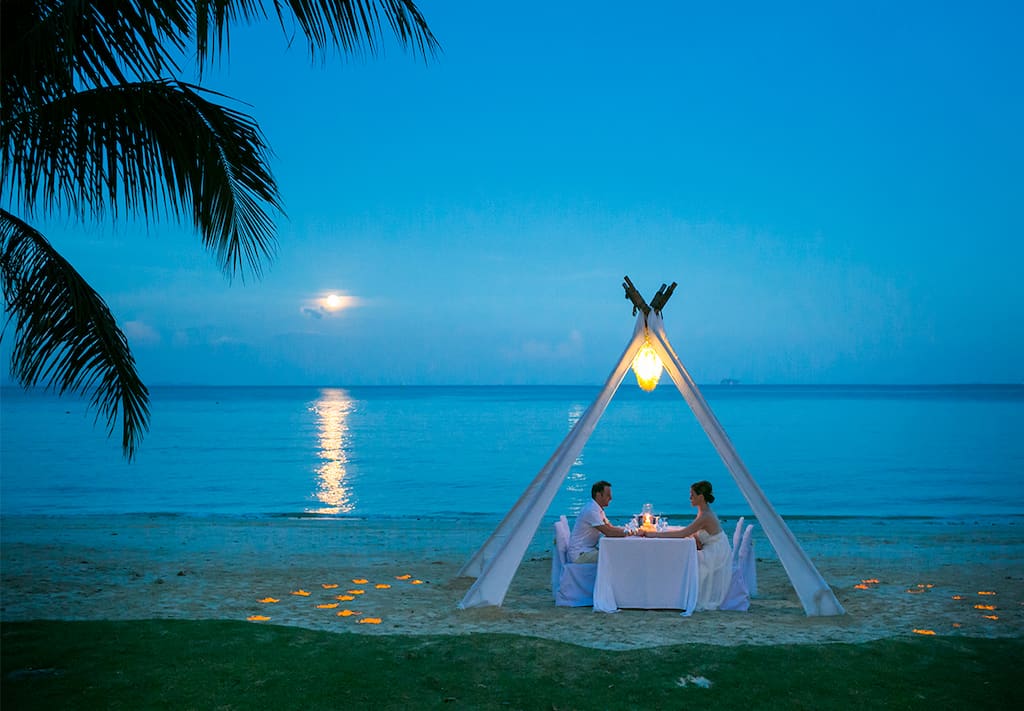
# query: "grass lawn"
178,664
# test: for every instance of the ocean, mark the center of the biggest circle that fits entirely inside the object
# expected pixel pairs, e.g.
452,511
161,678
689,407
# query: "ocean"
816,451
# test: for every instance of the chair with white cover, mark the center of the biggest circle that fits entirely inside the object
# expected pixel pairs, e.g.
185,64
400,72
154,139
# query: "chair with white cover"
737,536
743,573
747,561
572,584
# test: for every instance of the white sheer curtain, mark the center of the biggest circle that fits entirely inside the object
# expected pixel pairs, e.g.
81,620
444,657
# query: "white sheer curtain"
815,595
495,563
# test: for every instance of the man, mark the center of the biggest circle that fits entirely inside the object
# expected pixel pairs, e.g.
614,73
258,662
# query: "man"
590,524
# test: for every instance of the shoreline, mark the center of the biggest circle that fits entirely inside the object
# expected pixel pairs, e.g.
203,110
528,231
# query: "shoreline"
142,566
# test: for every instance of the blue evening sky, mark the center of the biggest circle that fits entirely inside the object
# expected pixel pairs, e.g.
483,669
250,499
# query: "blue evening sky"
838,189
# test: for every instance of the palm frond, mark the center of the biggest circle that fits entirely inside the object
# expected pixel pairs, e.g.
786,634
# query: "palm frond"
352,26
149,148
65,335
48,47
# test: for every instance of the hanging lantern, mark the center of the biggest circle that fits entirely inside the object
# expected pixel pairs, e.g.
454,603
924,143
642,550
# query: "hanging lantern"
647,367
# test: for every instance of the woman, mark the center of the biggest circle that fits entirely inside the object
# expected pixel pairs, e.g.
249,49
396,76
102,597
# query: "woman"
714,556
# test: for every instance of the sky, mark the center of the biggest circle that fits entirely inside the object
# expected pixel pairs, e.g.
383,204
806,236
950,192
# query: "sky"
837,189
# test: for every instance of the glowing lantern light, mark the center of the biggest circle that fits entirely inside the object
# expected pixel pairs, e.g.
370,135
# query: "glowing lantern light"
991,617
355,592
269,599
924,631
257,618
984,607
985,592
861,586
403,577
347,613
360,581
958,597
369,621
301,592
870,581
382,586
417,582
327,606
328,586
647,367
345,598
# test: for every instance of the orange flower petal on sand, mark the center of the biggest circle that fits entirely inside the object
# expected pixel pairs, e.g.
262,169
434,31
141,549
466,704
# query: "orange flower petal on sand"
327,606
347,613
301,592
382,586
403,577
360,581
257,618
928,632
355,592
345,598
328,586
369,621
269,599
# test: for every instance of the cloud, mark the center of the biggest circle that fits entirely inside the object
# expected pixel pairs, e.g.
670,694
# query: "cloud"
329,304
571,347
141,333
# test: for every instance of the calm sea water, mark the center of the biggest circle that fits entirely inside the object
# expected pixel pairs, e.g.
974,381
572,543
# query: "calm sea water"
424,451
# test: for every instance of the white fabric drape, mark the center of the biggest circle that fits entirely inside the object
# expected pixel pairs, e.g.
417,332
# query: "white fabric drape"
496,562
815,595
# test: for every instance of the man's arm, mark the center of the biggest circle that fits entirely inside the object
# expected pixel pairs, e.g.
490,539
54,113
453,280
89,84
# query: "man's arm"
611,531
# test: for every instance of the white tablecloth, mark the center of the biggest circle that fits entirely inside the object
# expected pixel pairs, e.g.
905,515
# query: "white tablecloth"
646,573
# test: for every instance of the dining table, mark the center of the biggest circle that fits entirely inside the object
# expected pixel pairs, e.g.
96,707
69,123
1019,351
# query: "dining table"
647,574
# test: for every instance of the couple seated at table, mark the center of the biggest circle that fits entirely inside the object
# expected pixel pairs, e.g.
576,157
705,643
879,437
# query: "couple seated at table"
714,556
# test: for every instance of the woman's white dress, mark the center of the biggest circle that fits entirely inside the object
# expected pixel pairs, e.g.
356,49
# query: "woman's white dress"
714,565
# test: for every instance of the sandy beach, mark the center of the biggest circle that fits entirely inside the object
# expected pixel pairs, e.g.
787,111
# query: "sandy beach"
952,577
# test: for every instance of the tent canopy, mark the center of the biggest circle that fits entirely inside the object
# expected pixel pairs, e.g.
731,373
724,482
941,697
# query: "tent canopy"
495,563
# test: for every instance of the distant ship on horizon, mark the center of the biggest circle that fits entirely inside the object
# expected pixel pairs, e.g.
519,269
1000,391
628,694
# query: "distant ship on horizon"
729,381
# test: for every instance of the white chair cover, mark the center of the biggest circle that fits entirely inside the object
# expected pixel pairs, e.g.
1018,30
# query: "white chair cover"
747,561
737,535
561,544
743,572
572,584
